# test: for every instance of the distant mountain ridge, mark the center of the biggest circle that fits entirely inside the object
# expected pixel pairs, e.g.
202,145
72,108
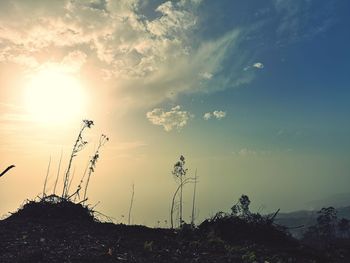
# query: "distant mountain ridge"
336,200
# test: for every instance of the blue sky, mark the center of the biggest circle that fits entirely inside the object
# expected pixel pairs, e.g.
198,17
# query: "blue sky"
300,98
254,93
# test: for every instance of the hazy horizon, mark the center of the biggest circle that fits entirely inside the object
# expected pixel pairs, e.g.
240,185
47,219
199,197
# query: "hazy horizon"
254,94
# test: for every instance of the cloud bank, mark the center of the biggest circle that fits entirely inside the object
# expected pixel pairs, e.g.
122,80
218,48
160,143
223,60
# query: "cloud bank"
144,59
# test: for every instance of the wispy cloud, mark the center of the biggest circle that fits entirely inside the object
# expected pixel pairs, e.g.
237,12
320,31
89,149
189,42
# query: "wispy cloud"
169,120
245,152
302,19
12,114
124,146
206,75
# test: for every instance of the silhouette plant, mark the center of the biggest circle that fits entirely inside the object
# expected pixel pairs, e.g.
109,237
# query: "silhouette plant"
179,173
93,161
241,208
79,145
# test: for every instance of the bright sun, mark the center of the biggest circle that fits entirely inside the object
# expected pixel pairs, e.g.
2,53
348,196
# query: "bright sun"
53,95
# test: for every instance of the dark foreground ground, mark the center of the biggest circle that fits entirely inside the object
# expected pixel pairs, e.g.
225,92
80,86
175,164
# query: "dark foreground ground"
41,232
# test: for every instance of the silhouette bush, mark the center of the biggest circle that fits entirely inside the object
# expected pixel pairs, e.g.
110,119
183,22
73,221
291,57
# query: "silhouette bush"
244,226
53,208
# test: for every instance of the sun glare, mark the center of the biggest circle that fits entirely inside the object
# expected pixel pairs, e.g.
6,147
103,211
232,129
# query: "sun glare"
53,95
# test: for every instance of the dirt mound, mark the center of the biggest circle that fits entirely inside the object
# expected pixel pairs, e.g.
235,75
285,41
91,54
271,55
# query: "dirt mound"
53,208
235,230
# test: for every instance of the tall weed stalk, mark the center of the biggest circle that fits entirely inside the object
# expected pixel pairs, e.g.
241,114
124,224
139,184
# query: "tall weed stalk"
79,145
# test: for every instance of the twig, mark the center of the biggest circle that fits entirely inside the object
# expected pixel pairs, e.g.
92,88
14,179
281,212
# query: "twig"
131,202
296,227
82,201
93,161
58,173
47,175
109,218
6,170
272,218
92,208
71,180
81,181
194,197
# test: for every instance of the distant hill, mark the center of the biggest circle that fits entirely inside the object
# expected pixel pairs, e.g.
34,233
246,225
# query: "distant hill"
305,218
335,200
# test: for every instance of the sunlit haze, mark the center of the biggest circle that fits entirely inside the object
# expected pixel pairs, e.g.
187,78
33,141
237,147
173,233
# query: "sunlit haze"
53,95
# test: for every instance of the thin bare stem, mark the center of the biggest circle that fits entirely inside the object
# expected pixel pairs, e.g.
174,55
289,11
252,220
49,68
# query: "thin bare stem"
181,187
93,161
71,180
131,202
194,198
58,173
180,174
66,177
76,193
187,180
47,175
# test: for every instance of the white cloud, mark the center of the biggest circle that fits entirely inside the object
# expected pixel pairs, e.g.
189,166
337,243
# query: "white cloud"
172,22
206,75
175,118
207,116
219,114
258,65
245,152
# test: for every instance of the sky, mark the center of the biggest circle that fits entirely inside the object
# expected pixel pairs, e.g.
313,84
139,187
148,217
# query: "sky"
254,94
